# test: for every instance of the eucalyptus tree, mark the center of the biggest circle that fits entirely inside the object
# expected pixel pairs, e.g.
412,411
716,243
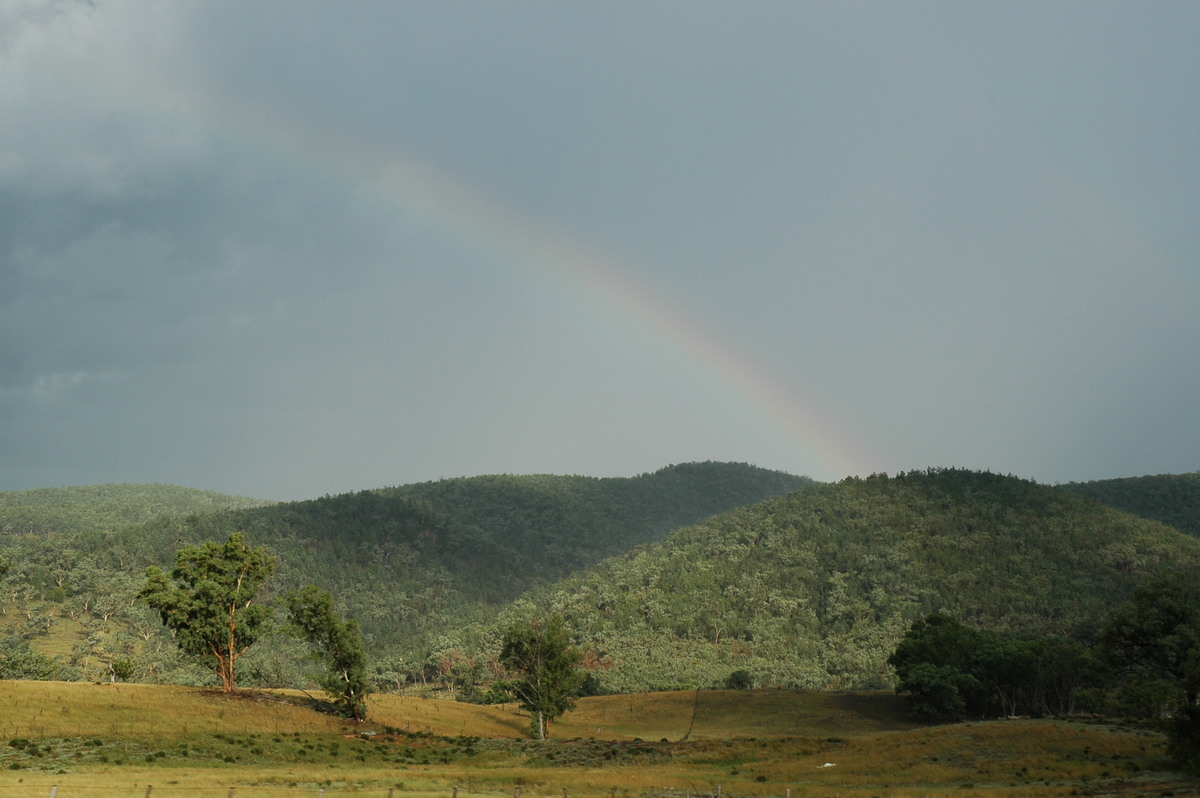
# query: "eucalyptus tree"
548,668
1154,638
207,601
337,644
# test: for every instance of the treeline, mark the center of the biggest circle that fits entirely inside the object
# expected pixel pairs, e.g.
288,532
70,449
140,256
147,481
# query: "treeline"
950,671
1141,662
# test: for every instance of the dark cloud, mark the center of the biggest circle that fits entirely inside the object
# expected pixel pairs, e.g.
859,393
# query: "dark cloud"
286,249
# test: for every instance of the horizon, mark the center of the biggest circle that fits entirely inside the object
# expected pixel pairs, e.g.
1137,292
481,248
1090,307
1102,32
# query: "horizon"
584,476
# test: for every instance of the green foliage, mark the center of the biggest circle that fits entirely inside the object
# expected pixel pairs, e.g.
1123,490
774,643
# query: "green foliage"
122,669
934,668
524,531
739,680
1154,641
1156,634
949,671
53,511
813,589
1172,499
337,645
938,692
548,666
421,567
19,661
207,602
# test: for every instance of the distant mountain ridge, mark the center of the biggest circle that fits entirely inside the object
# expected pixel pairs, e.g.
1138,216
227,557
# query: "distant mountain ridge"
669,579
1173,499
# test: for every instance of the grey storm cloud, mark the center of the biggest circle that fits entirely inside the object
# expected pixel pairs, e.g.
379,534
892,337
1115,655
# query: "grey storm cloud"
288,249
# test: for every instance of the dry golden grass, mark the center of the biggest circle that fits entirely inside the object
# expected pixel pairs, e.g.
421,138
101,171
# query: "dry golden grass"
724,714
193,743
71,709
718,714
447,718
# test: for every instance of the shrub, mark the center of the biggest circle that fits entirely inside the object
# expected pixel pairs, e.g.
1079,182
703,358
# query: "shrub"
739,680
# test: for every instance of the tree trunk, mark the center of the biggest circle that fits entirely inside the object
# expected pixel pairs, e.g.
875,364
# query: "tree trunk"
225,671
227,662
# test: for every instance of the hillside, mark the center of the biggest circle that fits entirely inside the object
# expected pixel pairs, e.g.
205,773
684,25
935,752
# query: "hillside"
409,563
1173,499
802,584
89,508
813,589
553,526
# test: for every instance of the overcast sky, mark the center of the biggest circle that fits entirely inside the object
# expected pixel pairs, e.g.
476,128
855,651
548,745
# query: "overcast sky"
284,249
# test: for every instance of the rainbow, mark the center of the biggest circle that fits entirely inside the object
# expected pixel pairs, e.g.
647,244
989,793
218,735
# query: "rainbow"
467,216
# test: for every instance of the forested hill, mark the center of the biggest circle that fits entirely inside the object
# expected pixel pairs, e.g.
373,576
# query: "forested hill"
552,526
1173,499
712,568
490,537
813,589
410,562
46,511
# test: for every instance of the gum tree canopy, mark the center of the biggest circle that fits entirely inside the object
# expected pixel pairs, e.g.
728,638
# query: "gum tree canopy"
548,668
207,601
336,644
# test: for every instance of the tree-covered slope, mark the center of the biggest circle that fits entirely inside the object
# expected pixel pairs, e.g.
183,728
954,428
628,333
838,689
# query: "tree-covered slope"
546,527
1173,499
46,511
801,584
409,563
814,589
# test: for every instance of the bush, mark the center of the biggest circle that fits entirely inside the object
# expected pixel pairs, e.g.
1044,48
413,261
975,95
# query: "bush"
591,686
739,680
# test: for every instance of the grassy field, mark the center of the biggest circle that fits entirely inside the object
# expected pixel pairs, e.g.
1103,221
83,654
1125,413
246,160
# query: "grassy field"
104,740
